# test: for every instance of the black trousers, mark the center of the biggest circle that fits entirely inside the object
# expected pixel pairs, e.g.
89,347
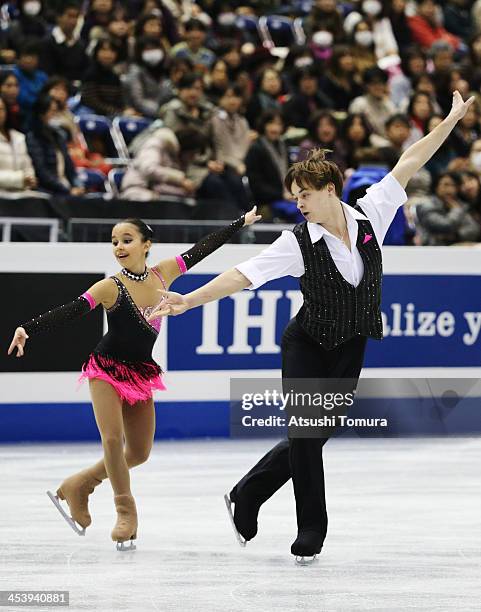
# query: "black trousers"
301,458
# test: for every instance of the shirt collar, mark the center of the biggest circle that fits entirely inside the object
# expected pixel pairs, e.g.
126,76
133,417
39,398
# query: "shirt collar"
316,231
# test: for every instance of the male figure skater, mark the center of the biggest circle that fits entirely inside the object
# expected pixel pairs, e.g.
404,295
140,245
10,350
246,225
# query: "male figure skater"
337,256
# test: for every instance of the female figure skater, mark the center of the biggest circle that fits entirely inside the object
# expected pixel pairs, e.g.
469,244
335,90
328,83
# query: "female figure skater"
120,370
336,253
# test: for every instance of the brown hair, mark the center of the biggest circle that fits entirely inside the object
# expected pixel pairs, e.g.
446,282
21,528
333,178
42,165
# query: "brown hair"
315,172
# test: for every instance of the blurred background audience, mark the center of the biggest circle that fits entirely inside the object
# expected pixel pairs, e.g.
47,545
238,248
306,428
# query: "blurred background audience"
211,101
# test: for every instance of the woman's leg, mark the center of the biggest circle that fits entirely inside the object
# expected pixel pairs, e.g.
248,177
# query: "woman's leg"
139,430
108,415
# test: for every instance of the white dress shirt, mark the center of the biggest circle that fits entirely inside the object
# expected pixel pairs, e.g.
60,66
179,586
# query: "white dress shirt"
284,258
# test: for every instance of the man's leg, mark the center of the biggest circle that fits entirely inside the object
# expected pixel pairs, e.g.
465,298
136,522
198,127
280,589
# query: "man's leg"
260,483
273,470
305,454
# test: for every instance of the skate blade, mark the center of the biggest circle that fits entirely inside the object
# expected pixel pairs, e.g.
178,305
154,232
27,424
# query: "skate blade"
228,505
305,560
121,546
69,519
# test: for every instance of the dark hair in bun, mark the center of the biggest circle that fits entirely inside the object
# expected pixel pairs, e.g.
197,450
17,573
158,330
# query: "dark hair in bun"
146,231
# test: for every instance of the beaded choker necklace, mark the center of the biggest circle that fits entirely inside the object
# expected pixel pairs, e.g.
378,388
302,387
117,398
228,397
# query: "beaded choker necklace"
135,277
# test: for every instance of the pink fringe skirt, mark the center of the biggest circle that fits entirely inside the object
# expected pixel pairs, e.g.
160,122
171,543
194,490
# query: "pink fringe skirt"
134,381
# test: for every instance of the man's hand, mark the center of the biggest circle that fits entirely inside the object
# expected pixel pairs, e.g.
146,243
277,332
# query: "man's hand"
251,217
173,304
459,107
19,339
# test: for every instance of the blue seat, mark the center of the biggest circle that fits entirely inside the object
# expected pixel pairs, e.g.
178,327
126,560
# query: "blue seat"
130,127
94,181
8,12
74,102
115,180
364,176
293,154
356,188
277,31
248,26
304,7
100,137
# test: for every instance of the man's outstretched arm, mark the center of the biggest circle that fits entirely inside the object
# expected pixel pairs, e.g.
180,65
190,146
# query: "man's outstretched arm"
227,283
221,286
414,158
281,258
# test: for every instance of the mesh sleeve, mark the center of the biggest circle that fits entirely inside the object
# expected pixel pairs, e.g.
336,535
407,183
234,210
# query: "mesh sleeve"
210,243
58,316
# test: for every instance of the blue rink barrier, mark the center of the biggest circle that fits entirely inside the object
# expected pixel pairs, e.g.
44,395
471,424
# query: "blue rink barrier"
181,420
76,422
431,319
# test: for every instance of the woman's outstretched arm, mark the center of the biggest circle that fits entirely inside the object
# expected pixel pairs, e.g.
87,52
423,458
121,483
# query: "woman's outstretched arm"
103,292
172,268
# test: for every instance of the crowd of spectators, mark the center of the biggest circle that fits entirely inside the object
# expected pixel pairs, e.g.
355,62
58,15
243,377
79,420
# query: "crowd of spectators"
232,98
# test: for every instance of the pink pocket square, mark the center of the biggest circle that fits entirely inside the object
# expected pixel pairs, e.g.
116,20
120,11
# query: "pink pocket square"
367,238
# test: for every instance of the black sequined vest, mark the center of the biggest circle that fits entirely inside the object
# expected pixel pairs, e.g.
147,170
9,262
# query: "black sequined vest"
333,310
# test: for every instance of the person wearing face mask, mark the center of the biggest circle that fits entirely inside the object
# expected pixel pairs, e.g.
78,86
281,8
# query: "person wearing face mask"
362,45
321,45
28,26
324,17
384,41
147,85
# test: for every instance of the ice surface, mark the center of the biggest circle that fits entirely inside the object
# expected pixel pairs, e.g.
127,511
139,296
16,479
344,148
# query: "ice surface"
404,531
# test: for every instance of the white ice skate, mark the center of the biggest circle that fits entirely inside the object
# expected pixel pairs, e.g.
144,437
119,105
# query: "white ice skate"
228,505
305,560
56,502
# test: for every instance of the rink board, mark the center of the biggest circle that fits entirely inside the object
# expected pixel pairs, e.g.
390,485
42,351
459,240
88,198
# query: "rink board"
431,313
